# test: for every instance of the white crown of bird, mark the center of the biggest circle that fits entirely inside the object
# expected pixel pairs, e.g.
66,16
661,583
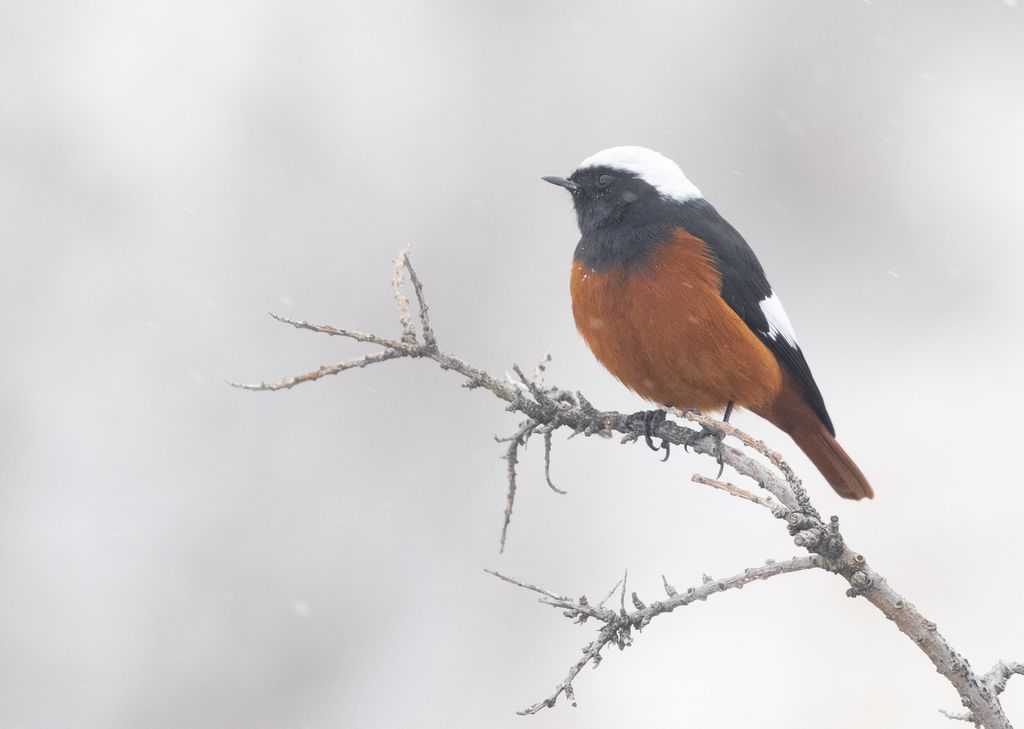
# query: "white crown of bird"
655,169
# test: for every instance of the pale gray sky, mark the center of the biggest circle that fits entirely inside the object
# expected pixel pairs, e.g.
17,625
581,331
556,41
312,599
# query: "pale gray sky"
179,554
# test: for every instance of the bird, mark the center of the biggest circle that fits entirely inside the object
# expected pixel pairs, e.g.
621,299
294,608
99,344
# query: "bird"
671,299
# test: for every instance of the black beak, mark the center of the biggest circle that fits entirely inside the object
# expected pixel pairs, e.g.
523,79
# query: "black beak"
562,182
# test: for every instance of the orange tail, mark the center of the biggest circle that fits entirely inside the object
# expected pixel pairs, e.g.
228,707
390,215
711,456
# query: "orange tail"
791,414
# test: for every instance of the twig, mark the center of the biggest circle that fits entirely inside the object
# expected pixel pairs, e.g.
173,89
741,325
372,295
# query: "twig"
547,463
610,593
1001,673
289,382
428,332
618,625
734,490
963,716
519,438
760,446
525,585
401,301
348,333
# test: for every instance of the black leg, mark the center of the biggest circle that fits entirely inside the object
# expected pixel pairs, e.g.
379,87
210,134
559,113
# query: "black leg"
694,411
651,420
725,419
717,434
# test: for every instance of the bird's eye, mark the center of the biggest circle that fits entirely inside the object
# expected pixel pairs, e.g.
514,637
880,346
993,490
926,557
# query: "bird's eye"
604,180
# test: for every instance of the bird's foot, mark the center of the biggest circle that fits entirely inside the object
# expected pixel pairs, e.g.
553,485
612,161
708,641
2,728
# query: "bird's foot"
651,420
704,431
719,435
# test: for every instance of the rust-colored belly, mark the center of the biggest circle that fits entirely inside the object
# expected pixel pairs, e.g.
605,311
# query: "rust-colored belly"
666,332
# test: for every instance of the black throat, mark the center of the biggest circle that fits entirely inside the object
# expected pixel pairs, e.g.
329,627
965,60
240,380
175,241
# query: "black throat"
628,240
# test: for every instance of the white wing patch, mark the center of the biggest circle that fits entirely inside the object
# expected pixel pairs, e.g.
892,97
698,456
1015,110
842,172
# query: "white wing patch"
778,322
655,169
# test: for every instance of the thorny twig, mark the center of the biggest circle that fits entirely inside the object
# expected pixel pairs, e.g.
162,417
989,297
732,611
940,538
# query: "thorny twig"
517,439
548,409
619,624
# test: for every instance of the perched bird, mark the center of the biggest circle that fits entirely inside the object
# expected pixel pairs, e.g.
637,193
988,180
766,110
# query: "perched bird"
674,303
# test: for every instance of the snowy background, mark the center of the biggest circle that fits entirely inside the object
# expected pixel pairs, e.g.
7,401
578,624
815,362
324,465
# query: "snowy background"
177,554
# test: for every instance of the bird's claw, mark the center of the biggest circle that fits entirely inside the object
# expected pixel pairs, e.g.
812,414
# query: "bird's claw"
651,420
719,435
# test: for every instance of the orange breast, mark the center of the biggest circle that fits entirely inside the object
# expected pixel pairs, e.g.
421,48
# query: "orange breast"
666,332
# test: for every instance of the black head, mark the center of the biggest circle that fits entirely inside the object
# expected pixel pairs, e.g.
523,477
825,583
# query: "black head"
605,195
624,198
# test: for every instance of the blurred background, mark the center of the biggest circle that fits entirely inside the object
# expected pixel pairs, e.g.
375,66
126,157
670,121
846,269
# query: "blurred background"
175,553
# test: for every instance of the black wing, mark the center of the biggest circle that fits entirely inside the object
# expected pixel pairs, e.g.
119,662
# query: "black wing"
744,288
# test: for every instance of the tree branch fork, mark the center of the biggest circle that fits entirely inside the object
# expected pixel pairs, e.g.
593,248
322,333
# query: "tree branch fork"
779,492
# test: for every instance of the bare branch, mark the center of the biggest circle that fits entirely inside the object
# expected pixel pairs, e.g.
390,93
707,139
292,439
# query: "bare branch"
547,409
547,463
734,490
995,682
610,593
669,589
525,585
289,382
618,625
591,654
755,444
963,716
401,301
1001,673
512,457
417,287
348,333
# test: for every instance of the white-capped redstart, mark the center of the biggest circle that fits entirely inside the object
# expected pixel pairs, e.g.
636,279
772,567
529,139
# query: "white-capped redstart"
674,303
